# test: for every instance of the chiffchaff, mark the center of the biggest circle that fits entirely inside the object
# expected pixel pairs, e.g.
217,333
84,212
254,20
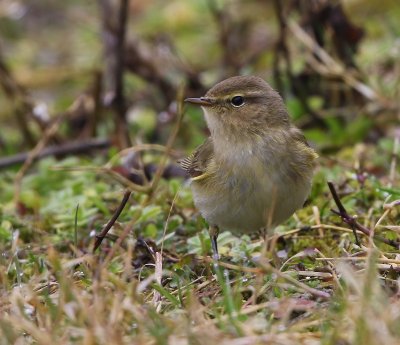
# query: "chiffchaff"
255,169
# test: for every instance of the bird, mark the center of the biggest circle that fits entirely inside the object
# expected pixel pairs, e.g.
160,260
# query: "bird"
256,167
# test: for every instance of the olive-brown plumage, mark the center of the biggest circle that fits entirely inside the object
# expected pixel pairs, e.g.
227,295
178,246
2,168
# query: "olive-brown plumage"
256,167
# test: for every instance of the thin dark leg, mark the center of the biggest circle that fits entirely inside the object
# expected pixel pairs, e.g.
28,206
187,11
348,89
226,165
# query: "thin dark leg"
214,231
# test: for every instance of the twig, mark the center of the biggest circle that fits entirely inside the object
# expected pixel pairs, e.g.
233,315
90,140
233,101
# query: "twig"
270,269
139,148
170,142
325,64
49,133
230,266
167,220
73,148
158,276
343,213
23,106
97,88
361,258
353,222
114,32
17,94
119,99
381,218
321,275
100,237
282,49
223,22
317,217
391,204
322,226
144,64
110,172
128,228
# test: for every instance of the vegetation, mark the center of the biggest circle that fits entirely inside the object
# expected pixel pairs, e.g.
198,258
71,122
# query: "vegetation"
92,121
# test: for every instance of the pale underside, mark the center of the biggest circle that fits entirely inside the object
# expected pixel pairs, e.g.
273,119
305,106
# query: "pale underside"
248,188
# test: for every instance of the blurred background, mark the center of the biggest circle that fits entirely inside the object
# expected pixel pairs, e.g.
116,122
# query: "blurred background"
96,77
112,69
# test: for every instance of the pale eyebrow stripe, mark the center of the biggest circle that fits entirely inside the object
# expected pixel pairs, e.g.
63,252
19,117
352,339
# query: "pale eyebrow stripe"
247,95
227,98
254,94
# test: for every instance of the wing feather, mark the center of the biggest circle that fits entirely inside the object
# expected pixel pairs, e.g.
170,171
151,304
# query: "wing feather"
196,163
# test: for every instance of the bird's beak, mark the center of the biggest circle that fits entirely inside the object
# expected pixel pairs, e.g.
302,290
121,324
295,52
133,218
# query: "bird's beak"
202,101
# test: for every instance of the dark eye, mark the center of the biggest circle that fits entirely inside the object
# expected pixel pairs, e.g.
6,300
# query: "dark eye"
237,101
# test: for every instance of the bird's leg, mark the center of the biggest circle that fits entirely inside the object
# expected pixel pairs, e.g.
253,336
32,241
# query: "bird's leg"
213,231
268,245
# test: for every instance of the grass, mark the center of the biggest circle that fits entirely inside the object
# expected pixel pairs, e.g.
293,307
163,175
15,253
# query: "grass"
315,286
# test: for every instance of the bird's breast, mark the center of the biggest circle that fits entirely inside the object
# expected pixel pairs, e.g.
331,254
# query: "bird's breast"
248,191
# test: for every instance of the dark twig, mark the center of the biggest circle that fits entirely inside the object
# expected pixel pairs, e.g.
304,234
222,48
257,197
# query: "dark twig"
16,93
94,116
353,222
23,106
66,149
114,32
161,168
282,49
119,99
49,133
227,31
342,212
139,62
100,237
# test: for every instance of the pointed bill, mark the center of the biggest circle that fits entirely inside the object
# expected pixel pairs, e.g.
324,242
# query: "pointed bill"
202,101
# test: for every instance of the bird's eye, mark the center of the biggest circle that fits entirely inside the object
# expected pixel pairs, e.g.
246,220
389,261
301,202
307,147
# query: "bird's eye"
237,101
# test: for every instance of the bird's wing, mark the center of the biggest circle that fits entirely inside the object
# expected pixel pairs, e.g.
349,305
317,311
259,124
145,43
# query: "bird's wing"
298,135
196,164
